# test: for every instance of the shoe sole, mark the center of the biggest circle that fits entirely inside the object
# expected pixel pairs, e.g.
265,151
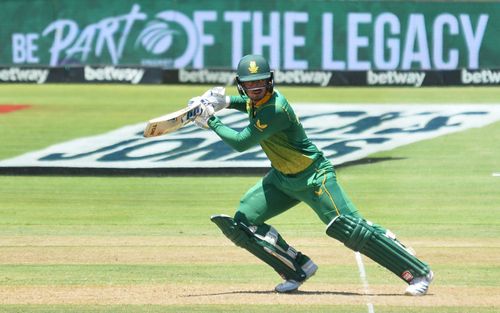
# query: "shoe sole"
287,291
293,290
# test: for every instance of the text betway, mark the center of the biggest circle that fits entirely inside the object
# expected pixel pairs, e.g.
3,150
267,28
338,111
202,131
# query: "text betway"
395,78
16,74
315,78
318,78
113,74
206,76
480,77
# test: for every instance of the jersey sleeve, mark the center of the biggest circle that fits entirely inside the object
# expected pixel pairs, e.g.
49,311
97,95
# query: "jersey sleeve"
267,122
238,102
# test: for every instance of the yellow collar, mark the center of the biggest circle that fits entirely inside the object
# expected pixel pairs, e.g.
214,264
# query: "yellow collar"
263,100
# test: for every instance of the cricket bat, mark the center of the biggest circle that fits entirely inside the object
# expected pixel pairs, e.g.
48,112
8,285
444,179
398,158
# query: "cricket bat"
171,122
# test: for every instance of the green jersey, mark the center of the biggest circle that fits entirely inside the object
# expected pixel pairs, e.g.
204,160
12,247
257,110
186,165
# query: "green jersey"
273,125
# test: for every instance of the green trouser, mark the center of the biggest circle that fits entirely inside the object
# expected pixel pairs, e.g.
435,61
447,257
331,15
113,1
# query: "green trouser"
317,186
276,193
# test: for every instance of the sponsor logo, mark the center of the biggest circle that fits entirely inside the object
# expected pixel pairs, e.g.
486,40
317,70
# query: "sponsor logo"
160,34
300,77
113,74
407,276
395,78
206,76
191,114
343,132
15,74
483,77
157,37
318,78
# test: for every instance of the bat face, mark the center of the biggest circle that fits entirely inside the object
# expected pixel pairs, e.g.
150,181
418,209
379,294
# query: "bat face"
171,122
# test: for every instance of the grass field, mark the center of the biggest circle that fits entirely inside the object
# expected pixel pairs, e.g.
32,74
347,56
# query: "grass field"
115,244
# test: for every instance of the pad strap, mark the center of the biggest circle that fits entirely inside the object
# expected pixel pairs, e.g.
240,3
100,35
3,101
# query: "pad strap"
359,235
283,262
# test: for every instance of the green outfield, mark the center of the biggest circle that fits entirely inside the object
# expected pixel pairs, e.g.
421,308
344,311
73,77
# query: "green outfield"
146,244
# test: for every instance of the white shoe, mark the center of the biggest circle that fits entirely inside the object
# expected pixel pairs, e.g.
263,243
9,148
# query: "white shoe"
292,285
419,286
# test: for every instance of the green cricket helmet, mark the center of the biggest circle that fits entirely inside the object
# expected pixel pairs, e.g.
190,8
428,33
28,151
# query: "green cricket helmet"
253,67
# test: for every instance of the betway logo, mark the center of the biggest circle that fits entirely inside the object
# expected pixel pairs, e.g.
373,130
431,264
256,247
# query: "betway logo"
113,74
205,76
299,77
481,77
15,74
395,78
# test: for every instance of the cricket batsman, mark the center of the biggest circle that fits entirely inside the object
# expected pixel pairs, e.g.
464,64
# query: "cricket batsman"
299,173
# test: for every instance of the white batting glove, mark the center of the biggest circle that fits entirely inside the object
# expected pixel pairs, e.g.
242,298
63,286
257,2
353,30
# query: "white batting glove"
205,113
217,98
204,110
193,102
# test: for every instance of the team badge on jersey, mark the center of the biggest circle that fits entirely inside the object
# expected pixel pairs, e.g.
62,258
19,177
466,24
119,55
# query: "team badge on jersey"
260,126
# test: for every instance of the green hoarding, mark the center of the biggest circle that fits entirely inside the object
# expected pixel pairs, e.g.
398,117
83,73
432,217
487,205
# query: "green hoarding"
302,35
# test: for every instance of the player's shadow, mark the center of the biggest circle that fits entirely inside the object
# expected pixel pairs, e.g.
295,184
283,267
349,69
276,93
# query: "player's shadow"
344,293
299,292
